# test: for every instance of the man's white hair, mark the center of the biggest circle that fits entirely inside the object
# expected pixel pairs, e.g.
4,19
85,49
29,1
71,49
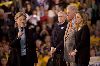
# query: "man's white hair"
72,8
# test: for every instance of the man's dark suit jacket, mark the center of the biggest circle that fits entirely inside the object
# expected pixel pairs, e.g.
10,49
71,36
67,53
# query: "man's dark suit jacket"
58,37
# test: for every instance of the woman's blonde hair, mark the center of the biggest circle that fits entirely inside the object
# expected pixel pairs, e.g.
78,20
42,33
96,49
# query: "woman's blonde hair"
19,14
84,17
84,20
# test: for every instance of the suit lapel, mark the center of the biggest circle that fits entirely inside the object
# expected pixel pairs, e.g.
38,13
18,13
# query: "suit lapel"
16,31
26,34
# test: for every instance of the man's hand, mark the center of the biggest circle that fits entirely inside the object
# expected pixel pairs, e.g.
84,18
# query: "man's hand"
20,34
73,53
52,51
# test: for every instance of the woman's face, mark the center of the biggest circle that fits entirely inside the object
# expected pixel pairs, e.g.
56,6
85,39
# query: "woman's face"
21,21
78,18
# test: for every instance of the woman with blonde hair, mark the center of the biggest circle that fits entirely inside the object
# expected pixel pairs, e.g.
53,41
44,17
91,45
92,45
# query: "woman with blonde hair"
81,19
82,40
21,38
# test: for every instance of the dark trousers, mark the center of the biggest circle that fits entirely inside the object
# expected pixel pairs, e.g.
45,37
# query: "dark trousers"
23,61
82,64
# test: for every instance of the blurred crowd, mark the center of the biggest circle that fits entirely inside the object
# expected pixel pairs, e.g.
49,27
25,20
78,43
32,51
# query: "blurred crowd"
42,14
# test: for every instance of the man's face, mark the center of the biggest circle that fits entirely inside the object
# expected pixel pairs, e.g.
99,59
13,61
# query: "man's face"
21,21
70,14
61,18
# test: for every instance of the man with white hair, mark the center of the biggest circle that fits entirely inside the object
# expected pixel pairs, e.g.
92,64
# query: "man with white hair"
71,11
69,37
57,47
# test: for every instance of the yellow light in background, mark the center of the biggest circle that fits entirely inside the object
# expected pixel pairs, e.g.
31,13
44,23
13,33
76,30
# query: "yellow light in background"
6,3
